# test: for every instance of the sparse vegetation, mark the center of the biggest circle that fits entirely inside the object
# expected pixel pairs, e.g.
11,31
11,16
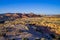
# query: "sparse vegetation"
48,22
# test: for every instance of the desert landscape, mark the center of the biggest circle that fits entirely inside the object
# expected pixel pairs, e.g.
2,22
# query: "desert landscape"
29,19
19,26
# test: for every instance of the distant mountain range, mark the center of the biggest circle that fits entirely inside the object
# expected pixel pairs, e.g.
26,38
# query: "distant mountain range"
12,16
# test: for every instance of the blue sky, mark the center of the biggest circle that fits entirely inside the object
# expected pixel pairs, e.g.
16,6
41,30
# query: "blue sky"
27,6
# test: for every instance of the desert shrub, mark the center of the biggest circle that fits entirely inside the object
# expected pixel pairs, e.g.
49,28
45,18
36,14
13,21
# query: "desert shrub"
20,31
52,35
25,39
1,34
43,39
58,37
37,39
39,30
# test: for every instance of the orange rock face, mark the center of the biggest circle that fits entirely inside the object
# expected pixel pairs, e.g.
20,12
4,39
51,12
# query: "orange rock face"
7,14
